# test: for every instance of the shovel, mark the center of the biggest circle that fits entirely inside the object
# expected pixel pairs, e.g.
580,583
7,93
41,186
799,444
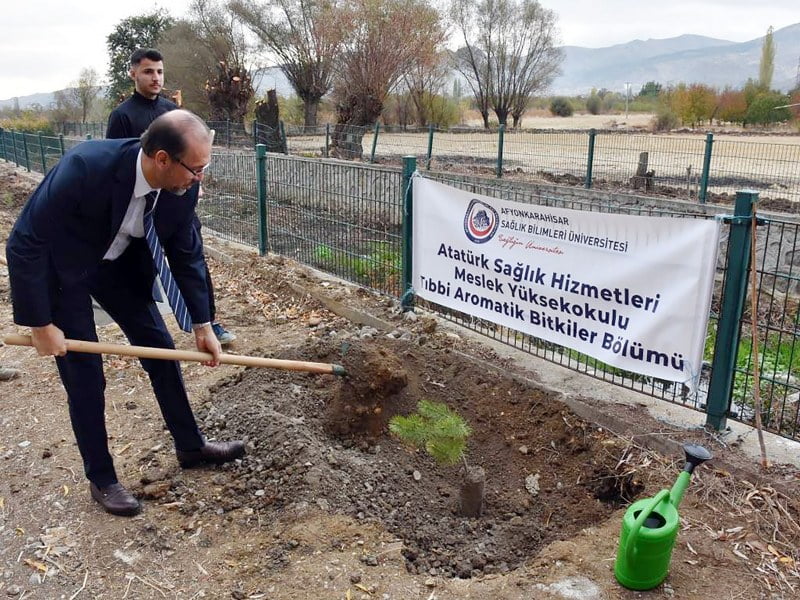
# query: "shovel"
190,355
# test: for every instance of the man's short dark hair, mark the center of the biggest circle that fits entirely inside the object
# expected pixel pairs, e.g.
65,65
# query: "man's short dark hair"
169,133
148,53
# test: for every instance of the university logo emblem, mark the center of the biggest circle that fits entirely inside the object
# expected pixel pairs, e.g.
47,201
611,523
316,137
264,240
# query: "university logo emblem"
480,222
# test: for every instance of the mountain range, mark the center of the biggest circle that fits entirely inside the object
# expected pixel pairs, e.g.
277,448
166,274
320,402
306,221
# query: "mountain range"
686,58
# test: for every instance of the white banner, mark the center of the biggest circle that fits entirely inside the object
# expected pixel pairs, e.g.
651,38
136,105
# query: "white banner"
631,291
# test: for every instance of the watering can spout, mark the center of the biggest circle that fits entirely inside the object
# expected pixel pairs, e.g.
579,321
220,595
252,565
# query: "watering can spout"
695,455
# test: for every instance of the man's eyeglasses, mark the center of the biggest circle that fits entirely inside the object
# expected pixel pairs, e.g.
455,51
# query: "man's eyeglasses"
196,172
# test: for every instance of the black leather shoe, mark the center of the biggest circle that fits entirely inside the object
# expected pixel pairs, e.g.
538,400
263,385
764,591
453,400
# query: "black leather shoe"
213,452
116,499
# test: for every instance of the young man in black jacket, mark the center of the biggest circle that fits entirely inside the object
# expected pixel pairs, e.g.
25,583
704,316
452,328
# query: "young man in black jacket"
134,115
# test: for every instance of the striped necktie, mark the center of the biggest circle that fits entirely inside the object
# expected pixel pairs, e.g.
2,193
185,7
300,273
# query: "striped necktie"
164,274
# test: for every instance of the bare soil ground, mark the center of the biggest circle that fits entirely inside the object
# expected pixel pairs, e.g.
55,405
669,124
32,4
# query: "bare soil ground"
326,504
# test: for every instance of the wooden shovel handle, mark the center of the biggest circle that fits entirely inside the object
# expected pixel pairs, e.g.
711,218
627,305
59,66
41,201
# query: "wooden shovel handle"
185,355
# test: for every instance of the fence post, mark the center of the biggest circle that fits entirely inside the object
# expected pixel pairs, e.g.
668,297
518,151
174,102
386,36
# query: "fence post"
590,159
42,154
409,167
501,134
261,168
706,168
283,138
61,143
27,155
375,131
327,138
430,148
727,343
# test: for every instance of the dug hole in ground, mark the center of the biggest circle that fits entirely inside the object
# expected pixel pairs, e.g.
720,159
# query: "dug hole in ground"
327,504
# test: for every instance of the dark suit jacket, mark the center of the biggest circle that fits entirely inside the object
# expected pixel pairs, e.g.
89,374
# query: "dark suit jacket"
69,222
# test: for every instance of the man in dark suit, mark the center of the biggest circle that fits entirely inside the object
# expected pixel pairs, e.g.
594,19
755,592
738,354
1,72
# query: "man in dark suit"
133,116
90,229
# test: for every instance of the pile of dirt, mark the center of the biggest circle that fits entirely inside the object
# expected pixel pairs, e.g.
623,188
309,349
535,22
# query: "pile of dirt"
323,442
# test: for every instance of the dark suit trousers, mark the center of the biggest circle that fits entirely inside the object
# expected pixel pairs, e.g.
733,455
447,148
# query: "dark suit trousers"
212,305
82,374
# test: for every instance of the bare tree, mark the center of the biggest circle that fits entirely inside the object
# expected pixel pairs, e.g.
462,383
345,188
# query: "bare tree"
387,37
472,61
229,87
510,53
64,108
425,79
85,91
305,36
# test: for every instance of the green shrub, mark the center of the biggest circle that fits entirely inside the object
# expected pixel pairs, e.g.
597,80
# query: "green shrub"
561,107
664,120
594,104
29,123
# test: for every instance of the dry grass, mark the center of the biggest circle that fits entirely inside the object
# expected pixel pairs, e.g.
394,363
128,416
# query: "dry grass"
756,522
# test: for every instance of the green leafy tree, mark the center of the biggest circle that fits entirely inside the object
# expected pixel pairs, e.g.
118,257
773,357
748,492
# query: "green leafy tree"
651,89
762,110
142,31
766,67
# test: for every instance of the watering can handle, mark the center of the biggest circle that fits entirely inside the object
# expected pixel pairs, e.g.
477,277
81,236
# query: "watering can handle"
637,524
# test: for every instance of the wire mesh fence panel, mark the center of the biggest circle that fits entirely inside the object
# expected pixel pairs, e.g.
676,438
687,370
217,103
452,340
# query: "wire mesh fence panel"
229,204
558,156
670,165
778,325
35,160
231,134
52,150
97,129
345,219
309,141
393,143
460,151
773,170
70,143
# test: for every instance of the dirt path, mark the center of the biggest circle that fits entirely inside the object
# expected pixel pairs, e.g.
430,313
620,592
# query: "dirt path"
326,504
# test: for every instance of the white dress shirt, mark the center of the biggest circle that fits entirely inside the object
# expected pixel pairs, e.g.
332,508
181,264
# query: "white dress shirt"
132,223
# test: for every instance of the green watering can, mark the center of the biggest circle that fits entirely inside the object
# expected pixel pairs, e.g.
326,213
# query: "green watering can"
649,530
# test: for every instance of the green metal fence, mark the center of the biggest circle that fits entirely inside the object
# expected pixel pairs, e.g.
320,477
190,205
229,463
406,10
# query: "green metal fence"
349,219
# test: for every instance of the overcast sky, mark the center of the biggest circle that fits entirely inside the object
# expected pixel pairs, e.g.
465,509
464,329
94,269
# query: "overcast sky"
44,44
